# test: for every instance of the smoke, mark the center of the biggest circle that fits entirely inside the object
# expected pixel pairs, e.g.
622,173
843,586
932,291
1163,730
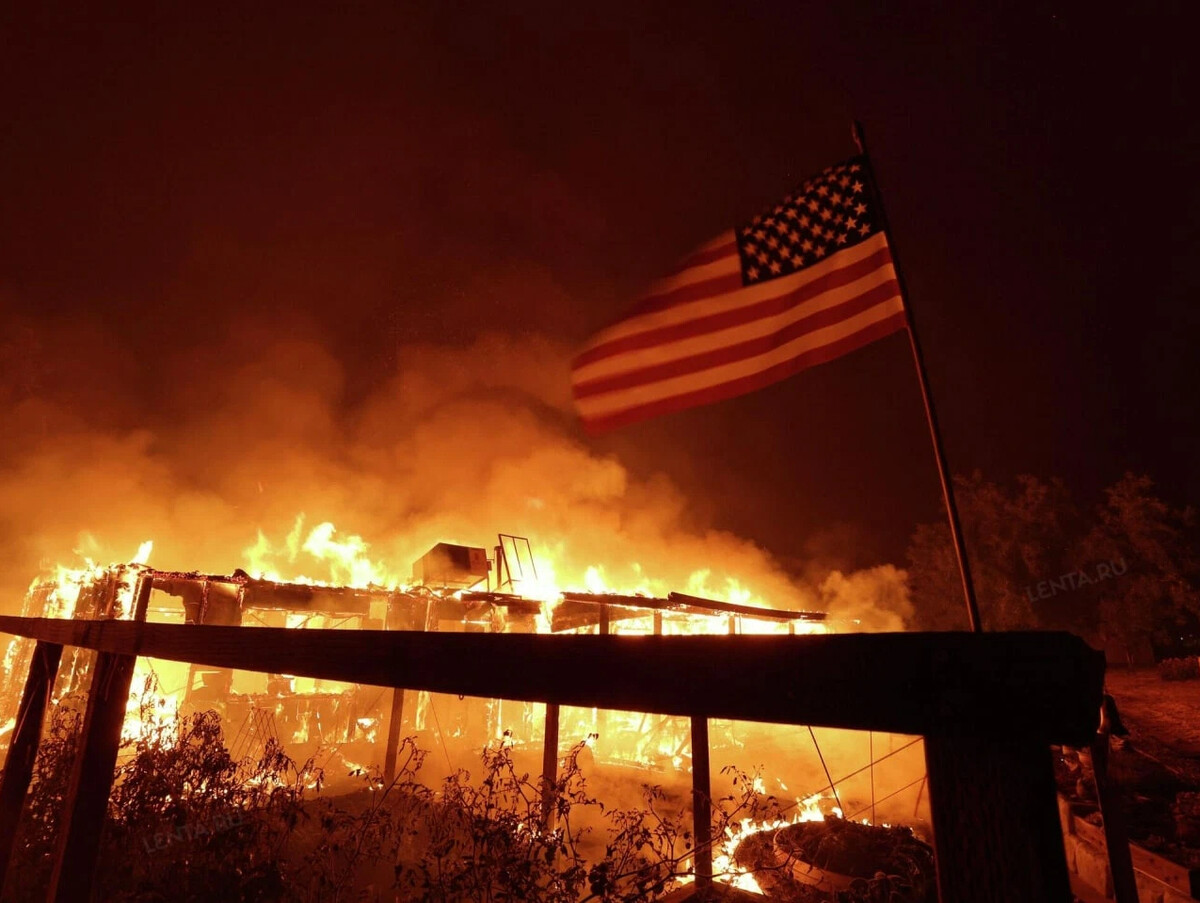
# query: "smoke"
212,449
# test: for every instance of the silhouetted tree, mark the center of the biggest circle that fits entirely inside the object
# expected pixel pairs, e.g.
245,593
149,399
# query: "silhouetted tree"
1126,574
1151,545
1015,538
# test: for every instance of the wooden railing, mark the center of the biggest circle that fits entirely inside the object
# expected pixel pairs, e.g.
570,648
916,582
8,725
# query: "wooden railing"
988,705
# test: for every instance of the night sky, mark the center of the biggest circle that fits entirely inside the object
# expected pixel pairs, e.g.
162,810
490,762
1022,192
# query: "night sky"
175,179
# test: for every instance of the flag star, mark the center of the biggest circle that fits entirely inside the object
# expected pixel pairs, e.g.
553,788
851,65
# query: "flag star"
860,208
823,190
769,221
793,236
813,205
807,244
841,239
806,220
837,218
752,272
851,223
820,252
781,227
864,228
825,214
762,256
791,213
751,249
776,267
837,197
797,260
857,186
844,180
772,242
854,167
760,234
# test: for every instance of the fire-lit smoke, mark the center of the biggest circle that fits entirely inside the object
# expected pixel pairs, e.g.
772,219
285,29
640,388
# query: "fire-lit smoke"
239,445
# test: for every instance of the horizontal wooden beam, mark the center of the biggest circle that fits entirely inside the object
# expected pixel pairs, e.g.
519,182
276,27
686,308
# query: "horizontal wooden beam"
1042,686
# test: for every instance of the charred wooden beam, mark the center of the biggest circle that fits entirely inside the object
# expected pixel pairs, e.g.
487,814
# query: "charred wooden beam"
752,611
1042,686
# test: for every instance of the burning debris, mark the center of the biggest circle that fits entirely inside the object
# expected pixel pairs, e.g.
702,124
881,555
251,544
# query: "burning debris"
838,860
455,588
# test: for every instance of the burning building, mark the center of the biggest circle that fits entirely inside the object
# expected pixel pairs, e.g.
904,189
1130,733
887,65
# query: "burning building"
462,589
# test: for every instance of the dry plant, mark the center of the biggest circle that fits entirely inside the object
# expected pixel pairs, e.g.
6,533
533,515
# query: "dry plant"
188,822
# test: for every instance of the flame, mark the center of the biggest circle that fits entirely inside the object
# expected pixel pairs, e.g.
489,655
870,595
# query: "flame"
344,560
728,871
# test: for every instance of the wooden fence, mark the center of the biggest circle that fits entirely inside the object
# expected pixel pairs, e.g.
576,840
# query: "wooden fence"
988,705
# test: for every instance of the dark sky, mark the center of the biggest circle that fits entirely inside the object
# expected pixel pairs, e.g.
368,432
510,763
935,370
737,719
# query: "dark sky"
382,176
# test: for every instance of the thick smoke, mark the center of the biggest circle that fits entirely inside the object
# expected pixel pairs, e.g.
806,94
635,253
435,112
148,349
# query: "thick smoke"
223,448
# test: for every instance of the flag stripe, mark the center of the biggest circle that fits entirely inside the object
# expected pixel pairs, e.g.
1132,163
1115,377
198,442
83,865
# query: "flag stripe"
723,349
750,383
720,248
640,321
646,393
771,313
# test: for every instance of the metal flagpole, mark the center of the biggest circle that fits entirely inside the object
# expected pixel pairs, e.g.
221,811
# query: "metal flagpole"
960,550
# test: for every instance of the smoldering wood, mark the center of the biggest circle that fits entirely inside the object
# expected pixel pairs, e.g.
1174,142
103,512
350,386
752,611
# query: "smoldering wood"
1044,686
22,749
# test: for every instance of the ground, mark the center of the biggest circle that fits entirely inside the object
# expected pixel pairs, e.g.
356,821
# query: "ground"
1163,717
1159,760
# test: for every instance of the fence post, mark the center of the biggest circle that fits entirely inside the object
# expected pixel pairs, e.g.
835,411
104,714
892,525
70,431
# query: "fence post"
86,800
22,750
549,763
701,802
395,722
995,821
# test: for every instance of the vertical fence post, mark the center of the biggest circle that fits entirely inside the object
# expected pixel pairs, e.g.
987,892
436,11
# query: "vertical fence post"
996,830
549,763
701,802
86,800
22,750
1116,836
395,722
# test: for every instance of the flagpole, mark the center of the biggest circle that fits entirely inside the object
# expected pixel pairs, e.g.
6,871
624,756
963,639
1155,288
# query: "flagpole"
939,454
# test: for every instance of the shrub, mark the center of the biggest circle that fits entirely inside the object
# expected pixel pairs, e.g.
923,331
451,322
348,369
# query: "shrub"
187,822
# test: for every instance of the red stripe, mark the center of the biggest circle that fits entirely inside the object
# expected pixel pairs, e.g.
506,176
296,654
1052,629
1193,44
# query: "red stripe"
729,354
717,285
771,307
704,258
751,383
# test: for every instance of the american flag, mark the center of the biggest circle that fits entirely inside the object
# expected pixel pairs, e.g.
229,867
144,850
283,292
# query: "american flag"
801,284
